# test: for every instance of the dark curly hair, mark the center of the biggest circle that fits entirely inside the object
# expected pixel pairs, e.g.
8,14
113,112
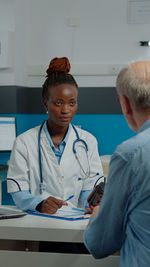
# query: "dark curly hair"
58,73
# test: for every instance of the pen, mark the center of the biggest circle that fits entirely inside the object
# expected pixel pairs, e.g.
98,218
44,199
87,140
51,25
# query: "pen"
76,209
69,198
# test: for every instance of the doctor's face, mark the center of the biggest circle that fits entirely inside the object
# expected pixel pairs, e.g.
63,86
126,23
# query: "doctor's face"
62,104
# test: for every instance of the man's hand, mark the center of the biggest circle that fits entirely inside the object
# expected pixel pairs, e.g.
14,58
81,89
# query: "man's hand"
89,210
52,204
94,213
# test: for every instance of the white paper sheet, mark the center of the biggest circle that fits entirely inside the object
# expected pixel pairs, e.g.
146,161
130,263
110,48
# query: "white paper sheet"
65,213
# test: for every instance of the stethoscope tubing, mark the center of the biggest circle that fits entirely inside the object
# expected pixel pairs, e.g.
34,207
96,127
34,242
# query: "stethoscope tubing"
73,148
40,159
78,139
11,179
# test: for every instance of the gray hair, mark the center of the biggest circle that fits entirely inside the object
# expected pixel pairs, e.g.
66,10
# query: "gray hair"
136,88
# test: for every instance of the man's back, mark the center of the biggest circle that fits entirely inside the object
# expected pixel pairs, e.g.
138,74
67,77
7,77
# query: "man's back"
125,224
136,247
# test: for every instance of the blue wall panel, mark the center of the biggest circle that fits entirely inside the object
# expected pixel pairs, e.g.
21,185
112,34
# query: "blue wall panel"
110,130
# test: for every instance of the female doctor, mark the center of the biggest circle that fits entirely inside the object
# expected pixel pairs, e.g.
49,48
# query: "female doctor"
52,162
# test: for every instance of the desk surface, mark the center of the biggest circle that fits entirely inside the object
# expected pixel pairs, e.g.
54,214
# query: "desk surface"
35,228
31,227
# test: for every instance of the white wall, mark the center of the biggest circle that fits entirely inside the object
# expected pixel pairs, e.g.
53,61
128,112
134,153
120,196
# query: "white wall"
7,23
41,32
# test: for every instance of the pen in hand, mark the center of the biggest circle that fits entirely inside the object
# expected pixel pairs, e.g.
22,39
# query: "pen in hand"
64,202
69,198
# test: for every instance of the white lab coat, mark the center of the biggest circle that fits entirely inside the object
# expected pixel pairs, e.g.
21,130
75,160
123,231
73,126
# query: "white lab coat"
59,180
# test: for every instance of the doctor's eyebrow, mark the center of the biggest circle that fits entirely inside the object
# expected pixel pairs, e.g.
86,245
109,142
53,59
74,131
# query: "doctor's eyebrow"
62,100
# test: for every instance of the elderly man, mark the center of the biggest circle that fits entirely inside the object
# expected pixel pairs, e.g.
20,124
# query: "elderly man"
122,222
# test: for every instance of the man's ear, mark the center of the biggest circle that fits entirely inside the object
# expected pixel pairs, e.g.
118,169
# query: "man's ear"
126,106
129,113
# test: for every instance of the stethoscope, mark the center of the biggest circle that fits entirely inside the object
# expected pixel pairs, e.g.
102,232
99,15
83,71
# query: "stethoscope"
78,139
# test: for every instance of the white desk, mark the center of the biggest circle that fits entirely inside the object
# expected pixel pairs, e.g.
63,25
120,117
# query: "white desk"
31,229
39,228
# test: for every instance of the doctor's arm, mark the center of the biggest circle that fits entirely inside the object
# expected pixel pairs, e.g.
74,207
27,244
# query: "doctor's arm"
95,165
83,198
95,169
18,175
25,201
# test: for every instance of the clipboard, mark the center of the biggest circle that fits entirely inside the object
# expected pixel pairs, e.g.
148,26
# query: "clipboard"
69,214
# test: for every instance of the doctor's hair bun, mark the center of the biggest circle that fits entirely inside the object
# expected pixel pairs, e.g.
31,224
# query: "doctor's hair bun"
57,64
57,74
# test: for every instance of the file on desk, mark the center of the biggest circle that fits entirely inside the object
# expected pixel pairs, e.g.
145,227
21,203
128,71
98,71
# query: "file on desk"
64,213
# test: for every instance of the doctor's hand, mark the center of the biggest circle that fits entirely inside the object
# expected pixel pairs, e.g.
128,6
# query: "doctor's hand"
51,205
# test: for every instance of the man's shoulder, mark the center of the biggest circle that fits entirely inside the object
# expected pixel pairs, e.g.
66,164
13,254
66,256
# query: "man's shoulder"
134,144
127,145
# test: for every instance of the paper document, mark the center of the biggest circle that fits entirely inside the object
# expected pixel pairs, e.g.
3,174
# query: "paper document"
65,213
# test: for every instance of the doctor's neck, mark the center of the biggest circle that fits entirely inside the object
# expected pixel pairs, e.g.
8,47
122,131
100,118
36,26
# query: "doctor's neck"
56,130
57,133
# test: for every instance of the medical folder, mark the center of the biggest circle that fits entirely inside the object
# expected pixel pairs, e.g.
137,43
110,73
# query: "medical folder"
64,213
